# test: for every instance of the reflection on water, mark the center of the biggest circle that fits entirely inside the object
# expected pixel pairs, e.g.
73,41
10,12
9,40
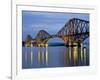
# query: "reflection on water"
54,56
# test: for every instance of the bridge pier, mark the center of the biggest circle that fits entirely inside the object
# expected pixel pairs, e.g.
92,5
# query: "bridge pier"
31,54
79,53
46,54
26,53
39,57
43,54
81,45
84,55
70,53
76,54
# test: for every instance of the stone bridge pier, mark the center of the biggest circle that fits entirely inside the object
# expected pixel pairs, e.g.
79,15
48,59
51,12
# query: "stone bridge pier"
76,53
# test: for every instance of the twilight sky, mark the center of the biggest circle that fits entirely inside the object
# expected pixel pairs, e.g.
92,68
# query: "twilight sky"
33,22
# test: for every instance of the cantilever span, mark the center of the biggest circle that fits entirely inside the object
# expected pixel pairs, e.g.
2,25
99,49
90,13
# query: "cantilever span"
73,30
76,29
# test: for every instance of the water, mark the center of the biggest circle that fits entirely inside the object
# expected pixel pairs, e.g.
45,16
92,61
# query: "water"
54,56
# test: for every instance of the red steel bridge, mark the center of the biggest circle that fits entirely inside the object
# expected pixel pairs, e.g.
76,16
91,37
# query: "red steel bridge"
75,30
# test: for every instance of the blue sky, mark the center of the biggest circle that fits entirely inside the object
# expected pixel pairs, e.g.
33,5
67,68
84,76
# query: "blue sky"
33,22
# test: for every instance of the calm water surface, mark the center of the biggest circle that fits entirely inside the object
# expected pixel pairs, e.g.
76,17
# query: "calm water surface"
54,56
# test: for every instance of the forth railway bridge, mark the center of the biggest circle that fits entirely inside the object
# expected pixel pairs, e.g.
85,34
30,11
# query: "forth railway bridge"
73,33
